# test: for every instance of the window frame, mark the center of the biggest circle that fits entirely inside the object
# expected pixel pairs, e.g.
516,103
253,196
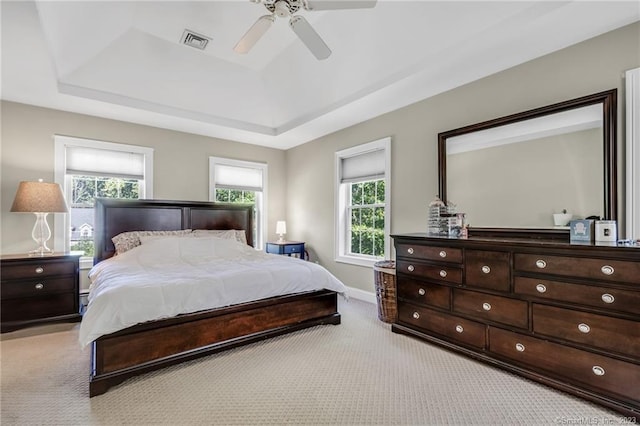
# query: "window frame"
261,196
343,206
61,142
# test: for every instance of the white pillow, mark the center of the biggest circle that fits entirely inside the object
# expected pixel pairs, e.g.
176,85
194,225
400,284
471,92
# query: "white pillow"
127,240
227,234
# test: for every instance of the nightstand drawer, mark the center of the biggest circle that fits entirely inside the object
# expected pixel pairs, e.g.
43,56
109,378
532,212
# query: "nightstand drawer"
31,308
37,269
293,249
36,288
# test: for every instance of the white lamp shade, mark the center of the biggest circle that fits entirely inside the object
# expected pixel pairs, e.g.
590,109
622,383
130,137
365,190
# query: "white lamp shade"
281,227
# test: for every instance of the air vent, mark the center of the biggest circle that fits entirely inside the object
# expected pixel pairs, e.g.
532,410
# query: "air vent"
194,39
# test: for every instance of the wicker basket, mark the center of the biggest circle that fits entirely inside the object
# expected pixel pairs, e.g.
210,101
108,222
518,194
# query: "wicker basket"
385,278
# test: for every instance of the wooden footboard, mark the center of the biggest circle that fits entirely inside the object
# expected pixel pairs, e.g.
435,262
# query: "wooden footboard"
157,344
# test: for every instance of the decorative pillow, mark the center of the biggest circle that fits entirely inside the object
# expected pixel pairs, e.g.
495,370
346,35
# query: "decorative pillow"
227,234
128,240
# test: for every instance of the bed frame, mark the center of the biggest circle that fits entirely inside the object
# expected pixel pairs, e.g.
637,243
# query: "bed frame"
156,344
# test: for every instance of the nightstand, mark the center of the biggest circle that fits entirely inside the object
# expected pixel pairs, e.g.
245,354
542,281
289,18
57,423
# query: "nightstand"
37,289
286,247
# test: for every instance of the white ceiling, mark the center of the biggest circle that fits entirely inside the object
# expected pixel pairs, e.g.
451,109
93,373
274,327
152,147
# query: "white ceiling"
124,60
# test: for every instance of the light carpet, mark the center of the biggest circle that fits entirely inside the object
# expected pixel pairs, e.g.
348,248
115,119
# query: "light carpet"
356,373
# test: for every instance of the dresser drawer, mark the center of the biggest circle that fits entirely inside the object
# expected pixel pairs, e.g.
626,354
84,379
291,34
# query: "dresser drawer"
613,334
491,308
35,270
601,297
487,269
460,330
38,307
12,289
443,273
441,254
424,293
601,269
595,371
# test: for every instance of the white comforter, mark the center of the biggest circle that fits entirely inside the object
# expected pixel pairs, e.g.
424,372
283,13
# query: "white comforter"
168,276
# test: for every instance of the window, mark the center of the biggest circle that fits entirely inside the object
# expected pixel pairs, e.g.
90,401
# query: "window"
362,203
235,181
87,169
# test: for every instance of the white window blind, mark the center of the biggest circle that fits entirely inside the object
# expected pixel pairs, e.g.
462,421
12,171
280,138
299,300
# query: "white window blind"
361,167
238,178
101,162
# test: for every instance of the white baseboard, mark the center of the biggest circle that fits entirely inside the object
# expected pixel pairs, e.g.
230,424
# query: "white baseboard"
365,296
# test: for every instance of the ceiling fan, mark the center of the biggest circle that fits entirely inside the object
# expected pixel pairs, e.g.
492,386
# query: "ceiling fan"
299,25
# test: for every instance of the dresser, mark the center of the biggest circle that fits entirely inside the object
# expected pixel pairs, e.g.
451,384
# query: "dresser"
564,315
295,248
35,290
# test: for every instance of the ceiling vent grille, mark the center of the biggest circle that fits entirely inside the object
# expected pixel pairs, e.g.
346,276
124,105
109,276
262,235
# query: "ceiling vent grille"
193,39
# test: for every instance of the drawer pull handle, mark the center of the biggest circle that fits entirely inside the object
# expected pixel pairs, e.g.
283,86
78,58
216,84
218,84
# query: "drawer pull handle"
486,269
584,328
410,250
411,268
597,370
607,270
422,292
459,328
520,347
443,273
541,264
608,298
486,306
541,288
39,270
39,286
416,315
443,253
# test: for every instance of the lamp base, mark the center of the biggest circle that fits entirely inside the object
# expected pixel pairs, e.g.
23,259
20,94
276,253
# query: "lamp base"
41,234
40,252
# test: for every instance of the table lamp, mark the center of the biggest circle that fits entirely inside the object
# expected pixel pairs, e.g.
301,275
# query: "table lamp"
40,198
281,229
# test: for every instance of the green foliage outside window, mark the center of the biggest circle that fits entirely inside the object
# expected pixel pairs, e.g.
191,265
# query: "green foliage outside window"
367,218
235,196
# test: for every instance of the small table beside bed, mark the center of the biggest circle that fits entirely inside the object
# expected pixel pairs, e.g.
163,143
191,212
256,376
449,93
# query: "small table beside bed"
231,294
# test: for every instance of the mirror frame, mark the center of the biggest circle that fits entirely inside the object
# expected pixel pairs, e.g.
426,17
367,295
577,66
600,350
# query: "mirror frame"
609,115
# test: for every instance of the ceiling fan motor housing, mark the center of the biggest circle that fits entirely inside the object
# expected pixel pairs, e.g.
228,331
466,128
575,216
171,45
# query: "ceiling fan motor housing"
283,8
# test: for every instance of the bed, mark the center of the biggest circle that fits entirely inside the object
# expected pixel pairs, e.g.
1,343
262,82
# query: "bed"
155,344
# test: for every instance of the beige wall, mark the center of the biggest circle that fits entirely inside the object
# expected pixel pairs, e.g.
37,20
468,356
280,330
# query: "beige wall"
181,161
589,67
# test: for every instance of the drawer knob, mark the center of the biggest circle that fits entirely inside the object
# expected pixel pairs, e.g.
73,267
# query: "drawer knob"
541,264
411,268
39,286
422,292
443,253
486,269
584,328
443,273
607,270
541,288
519,347
486,306
39,270
459,328
410,250
597,370
608,298
416,315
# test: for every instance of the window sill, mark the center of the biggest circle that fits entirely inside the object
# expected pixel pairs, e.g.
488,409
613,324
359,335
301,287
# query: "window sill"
359,261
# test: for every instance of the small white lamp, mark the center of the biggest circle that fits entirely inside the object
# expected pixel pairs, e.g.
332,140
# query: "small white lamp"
40,198
281,229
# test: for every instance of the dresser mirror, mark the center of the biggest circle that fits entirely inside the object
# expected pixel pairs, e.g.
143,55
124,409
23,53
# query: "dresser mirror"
511,175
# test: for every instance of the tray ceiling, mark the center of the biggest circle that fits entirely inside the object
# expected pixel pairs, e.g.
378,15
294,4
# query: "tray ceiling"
126,61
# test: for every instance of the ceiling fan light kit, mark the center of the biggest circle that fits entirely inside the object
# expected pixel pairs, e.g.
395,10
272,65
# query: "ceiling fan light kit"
305,32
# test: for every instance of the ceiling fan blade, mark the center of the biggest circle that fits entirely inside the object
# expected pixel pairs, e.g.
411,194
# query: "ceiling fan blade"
309,37
254,34
338,4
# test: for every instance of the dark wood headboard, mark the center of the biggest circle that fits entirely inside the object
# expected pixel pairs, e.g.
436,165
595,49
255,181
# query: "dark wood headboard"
114,216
